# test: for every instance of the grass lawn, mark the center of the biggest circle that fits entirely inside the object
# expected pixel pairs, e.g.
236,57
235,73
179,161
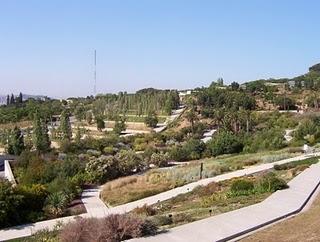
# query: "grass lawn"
217,198
127,189
302,227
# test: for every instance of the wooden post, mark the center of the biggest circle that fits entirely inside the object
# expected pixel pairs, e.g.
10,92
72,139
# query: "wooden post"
201,170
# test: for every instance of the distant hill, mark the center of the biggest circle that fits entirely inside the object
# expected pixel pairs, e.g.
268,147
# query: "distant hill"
3,98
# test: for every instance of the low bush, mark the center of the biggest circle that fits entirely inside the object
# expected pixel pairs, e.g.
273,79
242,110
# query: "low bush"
251,162
271,183
294,164
160,159
217,199
162,220
241,187
207,190
182,218
113,228
145,210
283,166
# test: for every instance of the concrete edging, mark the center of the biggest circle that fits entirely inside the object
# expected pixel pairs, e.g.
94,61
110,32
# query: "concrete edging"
8,172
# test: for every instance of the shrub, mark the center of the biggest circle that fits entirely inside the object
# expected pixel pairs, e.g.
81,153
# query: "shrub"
182,218
209,189
161,220
270,183
283,166
55,204
241,187
266,139
151,120
94,153
191,150
34,196
103,168
113,228
251,162
108,150
43,235
8,205
129,162
178,154
145,210
159,159
225,143
208,201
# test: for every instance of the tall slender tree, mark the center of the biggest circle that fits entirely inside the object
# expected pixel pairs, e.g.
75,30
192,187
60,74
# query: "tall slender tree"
65,126
16,143
40,138
12,101
20,98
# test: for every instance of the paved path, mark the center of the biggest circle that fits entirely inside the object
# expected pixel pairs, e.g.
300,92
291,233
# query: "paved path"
95,208
232,224
175,114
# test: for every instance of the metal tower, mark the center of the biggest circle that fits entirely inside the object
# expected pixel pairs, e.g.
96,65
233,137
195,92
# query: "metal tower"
95,73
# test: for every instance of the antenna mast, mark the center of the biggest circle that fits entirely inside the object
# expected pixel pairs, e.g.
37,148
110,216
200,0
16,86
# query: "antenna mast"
95,73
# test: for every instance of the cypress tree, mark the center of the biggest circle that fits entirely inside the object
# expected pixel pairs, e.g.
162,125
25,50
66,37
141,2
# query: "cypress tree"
12,99
20,98
8,100
40,139
65,126
16,144
45,136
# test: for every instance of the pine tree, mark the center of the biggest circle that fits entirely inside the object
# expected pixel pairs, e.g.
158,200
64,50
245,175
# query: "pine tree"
65,126
8,100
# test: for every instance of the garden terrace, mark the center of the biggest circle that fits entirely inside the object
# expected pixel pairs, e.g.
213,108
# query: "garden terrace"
128,189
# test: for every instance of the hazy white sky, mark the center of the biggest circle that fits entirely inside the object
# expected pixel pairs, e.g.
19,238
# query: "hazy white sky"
47,46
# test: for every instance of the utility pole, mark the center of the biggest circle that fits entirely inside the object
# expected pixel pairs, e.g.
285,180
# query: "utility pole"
95,73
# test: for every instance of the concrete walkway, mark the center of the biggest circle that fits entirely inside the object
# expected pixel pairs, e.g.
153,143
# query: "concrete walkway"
175,114
230,225
96,208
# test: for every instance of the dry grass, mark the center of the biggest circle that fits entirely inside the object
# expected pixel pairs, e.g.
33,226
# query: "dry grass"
127,189
303,227
130,125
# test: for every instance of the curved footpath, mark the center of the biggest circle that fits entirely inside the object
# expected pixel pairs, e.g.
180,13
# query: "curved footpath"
96,208
231,225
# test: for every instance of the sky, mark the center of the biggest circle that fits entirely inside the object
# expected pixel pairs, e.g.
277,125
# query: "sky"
47,47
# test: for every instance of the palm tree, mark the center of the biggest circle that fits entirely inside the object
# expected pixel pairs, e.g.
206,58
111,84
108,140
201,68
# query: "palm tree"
219,115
